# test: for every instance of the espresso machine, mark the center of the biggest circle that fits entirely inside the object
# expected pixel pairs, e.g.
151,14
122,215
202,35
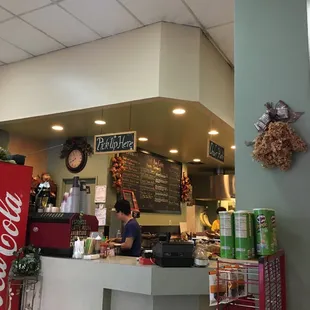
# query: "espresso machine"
55,233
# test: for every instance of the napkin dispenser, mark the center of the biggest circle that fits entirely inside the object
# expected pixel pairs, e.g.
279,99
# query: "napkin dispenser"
55,233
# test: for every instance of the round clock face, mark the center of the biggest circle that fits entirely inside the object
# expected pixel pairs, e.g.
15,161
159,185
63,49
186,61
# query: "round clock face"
76,160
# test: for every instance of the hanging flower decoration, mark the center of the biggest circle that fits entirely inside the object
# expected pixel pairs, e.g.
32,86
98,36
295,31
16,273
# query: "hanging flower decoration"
277,140
186,188
6,156
45,180
117,169
80,142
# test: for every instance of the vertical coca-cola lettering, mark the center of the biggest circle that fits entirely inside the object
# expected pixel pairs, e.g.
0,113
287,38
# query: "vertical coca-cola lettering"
14,203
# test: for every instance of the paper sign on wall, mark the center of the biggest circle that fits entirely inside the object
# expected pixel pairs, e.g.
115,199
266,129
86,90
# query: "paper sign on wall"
100,194
101,214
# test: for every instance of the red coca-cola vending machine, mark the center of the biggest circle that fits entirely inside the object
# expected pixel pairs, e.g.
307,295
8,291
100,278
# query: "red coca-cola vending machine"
15,183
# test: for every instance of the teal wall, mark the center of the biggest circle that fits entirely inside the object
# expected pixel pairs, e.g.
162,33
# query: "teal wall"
272,63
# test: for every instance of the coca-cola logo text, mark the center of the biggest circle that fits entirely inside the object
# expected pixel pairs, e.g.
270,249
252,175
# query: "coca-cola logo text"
10,208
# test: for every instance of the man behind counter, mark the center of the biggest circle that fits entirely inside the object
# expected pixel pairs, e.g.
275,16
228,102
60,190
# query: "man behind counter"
131,237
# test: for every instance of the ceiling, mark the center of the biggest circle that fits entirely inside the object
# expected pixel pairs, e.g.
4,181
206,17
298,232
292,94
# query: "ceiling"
152,119
30,28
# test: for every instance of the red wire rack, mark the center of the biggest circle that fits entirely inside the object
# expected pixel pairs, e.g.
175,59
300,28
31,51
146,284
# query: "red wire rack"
254,284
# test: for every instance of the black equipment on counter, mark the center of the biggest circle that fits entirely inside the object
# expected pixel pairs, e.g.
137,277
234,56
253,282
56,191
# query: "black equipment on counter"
174,254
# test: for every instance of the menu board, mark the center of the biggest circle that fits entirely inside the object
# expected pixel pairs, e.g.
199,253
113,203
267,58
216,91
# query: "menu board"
155,181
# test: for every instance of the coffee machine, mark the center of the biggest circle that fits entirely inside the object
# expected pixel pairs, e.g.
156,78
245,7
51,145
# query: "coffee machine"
55,233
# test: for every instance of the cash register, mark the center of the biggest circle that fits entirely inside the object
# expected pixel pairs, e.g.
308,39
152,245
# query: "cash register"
169,253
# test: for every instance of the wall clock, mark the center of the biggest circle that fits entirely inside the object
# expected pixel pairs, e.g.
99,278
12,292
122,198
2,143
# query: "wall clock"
76,160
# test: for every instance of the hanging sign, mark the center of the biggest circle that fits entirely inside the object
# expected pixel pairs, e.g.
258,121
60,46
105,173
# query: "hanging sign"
216,151
122,142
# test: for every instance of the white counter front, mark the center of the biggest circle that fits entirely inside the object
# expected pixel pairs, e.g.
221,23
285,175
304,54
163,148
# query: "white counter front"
120,283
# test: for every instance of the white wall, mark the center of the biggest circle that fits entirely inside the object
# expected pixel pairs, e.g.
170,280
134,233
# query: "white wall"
192,69
117,69
179,62
216,82
161,60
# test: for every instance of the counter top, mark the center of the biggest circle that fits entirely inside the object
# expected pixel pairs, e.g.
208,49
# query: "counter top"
81,284
126,274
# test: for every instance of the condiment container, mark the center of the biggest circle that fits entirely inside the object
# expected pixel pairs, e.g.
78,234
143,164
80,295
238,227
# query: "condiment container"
201,256
103,249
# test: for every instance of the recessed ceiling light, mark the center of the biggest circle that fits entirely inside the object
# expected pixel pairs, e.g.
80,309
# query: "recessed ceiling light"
57,127
143,139
100,122
196,160
174,151
178,111
213,132
233,147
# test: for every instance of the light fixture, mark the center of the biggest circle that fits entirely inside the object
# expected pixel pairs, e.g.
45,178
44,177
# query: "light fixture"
213,132
178,111
196,160
233,147
100,122
173,151
57,127
143,139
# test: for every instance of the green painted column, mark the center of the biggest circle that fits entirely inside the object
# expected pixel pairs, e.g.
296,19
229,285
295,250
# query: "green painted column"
272,63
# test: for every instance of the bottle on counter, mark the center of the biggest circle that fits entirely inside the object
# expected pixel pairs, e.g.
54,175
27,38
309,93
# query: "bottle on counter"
118,235
103,248
75,195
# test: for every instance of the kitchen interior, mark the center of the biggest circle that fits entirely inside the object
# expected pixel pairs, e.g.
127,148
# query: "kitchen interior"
176,130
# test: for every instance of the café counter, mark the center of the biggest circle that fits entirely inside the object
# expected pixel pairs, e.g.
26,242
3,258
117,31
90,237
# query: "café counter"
120,283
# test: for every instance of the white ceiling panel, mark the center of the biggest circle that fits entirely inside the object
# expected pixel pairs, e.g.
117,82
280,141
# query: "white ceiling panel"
27,38
22,6
212,12
106,17
75,32
224,38
10,53
4,15
152,11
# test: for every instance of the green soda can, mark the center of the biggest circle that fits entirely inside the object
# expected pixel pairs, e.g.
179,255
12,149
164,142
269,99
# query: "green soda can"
243,248
252,234
266,234
227,234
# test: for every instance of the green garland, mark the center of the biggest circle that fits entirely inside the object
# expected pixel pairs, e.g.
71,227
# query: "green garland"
79,142
27,262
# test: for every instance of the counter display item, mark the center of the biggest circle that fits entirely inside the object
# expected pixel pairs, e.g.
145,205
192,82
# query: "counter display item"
227,235
266,234
243,240
201,255
254,234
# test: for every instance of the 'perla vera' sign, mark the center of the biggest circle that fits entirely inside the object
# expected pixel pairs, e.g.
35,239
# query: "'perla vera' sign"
123,142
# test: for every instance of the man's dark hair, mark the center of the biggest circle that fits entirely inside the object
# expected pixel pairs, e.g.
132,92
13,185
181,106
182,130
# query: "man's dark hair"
220,209
123,206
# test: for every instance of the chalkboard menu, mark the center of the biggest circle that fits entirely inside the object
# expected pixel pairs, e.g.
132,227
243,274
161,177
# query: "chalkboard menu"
155,181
